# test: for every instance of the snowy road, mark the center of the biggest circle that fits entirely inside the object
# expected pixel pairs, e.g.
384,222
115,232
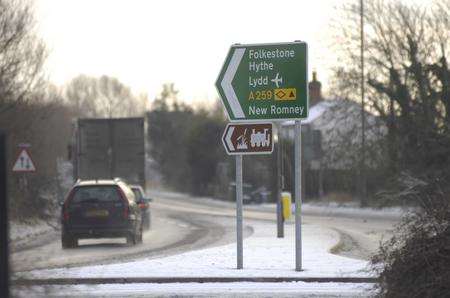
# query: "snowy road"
196,241
182,224
171,233
174,230
360,232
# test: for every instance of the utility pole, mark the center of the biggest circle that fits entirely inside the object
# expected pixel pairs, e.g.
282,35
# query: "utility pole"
4,251
363,116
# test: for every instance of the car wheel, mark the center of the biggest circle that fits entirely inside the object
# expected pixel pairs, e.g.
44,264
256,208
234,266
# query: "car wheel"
131,239
141,235
65,242
68,241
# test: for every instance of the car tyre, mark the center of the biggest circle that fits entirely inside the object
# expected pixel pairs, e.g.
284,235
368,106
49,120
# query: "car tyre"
65,242
131,239
147,223
68,241
141,235
74,242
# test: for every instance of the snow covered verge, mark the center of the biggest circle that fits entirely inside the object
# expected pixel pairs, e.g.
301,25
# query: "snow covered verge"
243,289
336,209
322,208
22,233
264,256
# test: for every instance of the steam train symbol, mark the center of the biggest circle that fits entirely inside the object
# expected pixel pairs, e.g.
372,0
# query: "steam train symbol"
260,139
242,141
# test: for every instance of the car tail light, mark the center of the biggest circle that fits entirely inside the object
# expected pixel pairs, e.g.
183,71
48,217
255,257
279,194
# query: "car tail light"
66,204
125,201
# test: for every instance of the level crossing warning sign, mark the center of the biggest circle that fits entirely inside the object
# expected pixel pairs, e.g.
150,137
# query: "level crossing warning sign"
24,163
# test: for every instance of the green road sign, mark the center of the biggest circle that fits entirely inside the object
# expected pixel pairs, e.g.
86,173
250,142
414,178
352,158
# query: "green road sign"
265,82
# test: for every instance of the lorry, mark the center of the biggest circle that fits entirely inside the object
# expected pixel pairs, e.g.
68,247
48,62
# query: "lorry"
109,148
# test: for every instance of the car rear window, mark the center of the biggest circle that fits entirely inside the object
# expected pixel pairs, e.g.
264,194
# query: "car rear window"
96,194
137,194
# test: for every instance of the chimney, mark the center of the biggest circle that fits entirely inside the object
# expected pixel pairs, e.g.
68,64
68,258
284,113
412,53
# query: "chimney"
315,94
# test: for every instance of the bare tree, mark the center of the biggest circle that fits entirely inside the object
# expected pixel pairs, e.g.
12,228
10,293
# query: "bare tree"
115,99
81,93
103,97
31,111
22,54
168,99
408,76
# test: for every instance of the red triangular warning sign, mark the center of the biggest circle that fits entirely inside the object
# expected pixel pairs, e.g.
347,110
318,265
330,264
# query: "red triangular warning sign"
24,163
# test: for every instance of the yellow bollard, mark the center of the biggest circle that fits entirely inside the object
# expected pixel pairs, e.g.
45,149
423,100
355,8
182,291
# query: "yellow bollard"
286,200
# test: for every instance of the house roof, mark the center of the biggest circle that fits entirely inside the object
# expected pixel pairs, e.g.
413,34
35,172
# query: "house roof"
340,124
314,112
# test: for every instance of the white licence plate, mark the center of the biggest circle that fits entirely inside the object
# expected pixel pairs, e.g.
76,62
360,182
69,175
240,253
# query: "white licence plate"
97,213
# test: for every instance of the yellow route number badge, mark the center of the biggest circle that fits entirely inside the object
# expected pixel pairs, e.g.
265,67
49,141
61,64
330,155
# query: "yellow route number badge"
285,94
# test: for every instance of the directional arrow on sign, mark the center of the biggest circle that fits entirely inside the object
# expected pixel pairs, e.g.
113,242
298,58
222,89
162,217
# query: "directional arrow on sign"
265,82
228,89
227,138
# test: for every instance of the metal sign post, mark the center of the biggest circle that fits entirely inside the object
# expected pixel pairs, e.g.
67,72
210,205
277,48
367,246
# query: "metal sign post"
298,196
280,219
239,211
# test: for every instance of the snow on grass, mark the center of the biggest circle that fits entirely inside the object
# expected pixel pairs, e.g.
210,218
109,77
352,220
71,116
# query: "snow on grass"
321,208
21,231
234,289
65,174
337,209
333,209
264,256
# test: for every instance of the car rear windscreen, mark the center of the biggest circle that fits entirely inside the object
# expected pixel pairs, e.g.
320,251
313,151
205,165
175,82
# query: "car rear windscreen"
106,193
137,194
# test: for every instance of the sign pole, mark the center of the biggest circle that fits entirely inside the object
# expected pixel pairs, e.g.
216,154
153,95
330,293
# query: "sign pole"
280,221
239,211
298,198
238,140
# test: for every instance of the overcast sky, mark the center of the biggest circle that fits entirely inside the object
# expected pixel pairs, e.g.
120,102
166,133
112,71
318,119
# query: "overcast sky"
148,43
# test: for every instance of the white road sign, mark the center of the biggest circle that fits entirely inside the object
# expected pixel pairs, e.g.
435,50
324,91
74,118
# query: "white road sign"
24,163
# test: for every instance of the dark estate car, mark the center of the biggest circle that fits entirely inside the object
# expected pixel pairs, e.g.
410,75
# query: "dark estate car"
144,205
100,209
